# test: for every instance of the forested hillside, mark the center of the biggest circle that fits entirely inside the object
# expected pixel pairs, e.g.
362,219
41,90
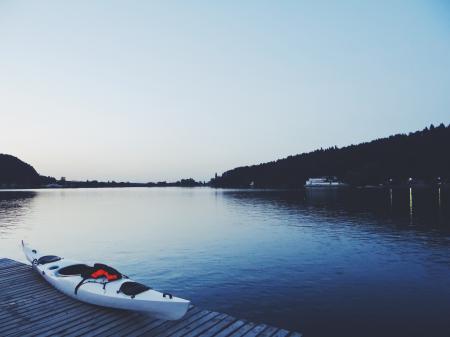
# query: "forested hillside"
422,155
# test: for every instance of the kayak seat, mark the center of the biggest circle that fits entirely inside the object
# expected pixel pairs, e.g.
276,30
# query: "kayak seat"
132,288
47,259
75,269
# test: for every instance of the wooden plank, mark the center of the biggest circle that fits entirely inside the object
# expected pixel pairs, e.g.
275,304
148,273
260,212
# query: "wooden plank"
82,323
33,293
143,323
230,329
195,315
206,325
34,297
295,334
115,324
113,316
5,269
130,326
42,326
269,331
34,323
17,269
16,291
13,320
49,317
156,325
243,330
256,330
19,275
195,324
281,333
25,279
90,323
162,327
17,294
169,325
38,312
61,324
3,259
31,309
23,288
6,263
27,309
145,328
31,304
218,327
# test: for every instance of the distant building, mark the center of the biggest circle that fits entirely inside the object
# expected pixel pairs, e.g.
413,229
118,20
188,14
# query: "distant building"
324,182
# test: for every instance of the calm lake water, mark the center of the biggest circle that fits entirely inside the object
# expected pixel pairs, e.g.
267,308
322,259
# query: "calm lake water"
325,263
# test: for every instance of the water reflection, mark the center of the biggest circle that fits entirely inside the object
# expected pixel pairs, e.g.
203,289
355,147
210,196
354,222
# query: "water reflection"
290,258
390,197
360,262
14,205
420,207
439,197
410,206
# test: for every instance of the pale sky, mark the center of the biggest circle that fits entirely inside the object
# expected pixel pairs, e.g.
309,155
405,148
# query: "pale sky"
148,91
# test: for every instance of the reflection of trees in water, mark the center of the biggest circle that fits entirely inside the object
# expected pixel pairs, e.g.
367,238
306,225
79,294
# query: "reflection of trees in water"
14,205
422,217
418,206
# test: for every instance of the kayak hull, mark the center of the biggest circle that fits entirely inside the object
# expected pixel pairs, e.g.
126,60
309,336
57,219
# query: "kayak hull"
97,292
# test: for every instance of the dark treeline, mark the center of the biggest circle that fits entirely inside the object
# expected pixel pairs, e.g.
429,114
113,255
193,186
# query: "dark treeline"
98,184
422,155
14,173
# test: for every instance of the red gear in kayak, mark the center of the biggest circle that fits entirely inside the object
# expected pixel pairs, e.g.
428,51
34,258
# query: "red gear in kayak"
102,272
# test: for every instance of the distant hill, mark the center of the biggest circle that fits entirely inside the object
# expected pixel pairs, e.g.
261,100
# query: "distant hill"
422,155
16,173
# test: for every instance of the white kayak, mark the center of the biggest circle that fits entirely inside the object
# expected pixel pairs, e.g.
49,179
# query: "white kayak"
75,280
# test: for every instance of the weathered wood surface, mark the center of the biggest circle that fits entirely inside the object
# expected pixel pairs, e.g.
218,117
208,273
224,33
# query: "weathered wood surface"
29,306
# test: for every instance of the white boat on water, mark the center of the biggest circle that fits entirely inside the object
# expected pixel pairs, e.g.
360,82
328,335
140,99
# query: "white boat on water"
102,285
324,182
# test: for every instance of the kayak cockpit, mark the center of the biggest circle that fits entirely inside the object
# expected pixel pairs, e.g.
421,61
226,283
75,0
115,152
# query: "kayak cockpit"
74,270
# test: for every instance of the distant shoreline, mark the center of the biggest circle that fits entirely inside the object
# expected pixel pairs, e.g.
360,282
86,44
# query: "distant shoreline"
138,185
63,184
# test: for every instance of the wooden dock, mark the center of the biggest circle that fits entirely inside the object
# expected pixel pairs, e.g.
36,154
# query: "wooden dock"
29,306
